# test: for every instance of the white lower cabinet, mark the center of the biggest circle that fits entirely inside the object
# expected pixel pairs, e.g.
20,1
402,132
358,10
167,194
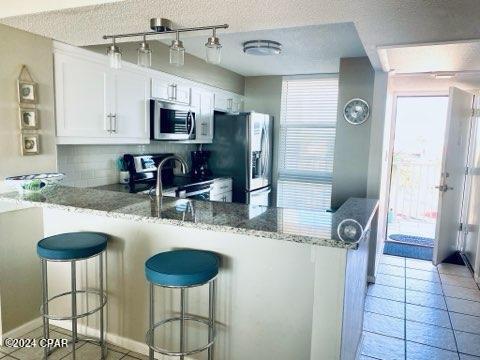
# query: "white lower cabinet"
221,190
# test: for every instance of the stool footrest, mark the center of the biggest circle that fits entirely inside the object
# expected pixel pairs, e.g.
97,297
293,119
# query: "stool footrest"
150,335
101,295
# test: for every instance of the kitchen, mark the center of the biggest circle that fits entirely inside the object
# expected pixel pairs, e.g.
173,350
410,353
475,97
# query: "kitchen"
251,151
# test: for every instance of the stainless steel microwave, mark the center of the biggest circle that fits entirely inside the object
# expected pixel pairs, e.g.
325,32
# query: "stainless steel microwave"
171,121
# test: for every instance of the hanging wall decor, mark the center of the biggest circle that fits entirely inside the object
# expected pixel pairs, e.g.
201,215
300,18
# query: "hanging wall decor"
28,118
30,144
28,113
27,88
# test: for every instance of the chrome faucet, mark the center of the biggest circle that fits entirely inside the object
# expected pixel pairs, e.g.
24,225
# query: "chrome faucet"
184,167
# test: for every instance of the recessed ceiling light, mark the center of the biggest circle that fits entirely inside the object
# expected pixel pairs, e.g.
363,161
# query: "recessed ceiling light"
262,47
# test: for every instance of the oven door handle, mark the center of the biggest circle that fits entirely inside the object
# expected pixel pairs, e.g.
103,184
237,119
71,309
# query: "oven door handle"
193,193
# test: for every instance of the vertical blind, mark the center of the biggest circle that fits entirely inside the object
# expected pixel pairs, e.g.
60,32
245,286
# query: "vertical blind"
307,139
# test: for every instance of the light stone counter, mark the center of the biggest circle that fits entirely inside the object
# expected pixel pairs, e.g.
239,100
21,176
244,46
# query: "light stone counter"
314,227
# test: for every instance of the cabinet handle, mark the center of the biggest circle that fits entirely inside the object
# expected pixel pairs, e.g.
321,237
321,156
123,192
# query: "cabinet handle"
114,126
109,127
229,104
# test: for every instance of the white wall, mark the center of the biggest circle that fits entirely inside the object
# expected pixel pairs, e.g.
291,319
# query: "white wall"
22,48
352,142
264,94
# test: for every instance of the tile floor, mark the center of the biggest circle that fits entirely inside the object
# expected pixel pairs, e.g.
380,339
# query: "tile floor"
417,311
85,350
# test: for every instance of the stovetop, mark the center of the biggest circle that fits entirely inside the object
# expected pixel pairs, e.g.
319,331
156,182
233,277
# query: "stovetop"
178,182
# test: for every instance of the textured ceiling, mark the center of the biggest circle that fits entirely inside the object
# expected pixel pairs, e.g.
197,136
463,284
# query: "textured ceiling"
306,50
458,56
14,7
378,22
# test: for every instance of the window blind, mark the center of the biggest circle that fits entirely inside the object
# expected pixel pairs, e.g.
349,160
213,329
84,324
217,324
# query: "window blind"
307,140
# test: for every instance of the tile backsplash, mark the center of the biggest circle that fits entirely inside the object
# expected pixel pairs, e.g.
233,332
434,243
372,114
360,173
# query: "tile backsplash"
95,165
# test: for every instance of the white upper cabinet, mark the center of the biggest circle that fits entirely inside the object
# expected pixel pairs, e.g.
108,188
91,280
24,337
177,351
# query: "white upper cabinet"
228,102
83,99
202,104
99,105
131,118
96,104
166,88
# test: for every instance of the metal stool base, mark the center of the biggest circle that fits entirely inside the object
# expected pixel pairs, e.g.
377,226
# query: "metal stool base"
74,317
210,323
151,333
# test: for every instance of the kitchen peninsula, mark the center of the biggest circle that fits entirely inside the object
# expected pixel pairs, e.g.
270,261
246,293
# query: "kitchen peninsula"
264,252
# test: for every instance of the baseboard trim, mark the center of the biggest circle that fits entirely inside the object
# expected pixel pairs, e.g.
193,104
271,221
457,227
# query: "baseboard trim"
22,329
126,343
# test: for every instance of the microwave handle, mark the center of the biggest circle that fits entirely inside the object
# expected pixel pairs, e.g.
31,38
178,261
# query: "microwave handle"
192,120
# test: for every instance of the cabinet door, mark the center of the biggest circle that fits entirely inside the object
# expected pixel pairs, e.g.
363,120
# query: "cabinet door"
202,104
131,116
223,102
163,88
205,129
182,94
82,98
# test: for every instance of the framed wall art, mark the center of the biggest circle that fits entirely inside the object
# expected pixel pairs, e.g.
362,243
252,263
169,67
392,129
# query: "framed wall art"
28,118
30,144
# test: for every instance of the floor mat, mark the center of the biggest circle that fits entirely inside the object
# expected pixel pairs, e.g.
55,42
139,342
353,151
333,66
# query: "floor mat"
408,250
412,240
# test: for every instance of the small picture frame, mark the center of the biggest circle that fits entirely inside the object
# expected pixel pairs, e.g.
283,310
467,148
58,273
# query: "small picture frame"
30,144
28,118
27,92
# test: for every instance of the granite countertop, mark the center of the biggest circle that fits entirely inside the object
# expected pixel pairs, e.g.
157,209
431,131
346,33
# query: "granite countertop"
315,227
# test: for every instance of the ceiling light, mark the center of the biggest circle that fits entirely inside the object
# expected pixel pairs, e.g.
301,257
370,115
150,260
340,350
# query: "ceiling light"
114,55
177,52
262,47
213,49
162,26
444,75
144,54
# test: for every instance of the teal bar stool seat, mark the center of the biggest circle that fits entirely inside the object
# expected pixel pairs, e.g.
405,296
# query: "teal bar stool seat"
73,247
182,269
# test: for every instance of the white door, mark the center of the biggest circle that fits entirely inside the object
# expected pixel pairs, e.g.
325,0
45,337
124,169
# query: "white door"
82,97
131,120
451,188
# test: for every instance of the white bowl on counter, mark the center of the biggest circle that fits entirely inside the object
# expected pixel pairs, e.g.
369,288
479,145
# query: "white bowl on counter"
34,182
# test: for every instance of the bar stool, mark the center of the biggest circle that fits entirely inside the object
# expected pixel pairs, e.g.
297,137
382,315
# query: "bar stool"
73,247
182,269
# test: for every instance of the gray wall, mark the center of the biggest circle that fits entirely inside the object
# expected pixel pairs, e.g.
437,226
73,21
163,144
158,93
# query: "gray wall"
23,48
195,69
264,94
352,144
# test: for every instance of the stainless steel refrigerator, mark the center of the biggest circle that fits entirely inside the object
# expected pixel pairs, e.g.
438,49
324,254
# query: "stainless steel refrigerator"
242,149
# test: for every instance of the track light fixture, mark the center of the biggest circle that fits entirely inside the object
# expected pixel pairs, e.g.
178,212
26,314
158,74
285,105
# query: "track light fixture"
177,51
161,26
114,55
144,54
213,49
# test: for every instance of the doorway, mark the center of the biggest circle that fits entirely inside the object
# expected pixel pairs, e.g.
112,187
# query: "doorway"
418,144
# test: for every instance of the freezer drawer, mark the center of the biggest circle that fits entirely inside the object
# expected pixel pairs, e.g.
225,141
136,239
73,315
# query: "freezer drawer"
259,197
